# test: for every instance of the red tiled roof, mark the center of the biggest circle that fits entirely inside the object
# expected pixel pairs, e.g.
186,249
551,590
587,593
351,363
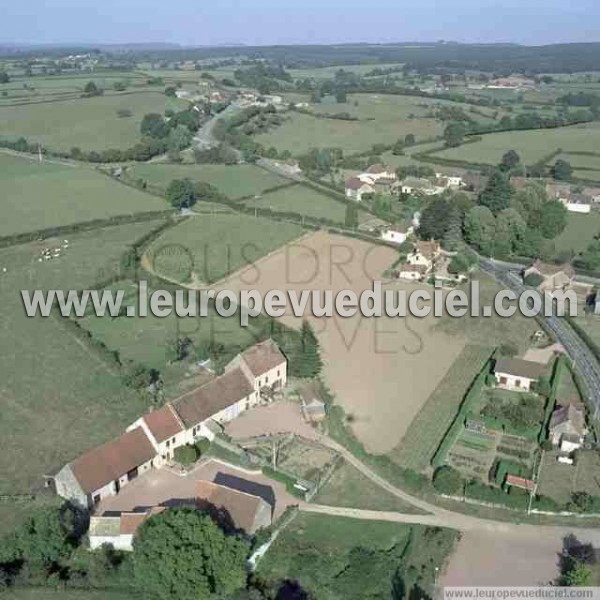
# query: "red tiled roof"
163,423
98,467
202,403
131,521
354,183
520,482
240,507
263,357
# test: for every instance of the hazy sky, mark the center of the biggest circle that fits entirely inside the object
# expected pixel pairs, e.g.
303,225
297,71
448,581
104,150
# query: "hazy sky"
201,22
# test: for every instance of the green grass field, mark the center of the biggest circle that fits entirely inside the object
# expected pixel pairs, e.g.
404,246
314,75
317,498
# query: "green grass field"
57,397
532,146
558,481
350,488
145,339
329,556
35,196
209,247
383,119
22,89
428,428
234,181
303,200
87,123
579,232
490,331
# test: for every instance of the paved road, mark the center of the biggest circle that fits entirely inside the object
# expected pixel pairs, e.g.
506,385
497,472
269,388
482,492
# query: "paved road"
576,348
204,138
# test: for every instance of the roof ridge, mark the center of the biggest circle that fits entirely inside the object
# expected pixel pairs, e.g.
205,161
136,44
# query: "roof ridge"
176,415
230,489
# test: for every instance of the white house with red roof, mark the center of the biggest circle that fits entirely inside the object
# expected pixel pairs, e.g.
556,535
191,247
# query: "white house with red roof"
150,441
355,188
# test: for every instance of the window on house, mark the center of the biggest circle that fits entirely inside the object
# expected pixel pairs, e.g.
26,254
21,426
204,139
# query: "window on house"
168,443
96,498
278,372
267,379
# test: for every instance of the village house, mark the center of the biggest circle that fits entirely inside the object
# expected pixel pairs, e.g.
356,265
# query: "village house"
355,188
558,191
578,203
424,253
411,272
567,427
118,530
554,277
419,185
396,234
591,194
449,181
103,471
420,261
150,441
379,171
517,374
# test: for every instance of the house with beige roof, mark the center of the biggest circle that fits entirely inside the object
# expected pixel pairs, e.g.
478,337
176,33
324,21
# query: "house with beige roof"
567,427
517,374
411,272
379,171
396,234
150,441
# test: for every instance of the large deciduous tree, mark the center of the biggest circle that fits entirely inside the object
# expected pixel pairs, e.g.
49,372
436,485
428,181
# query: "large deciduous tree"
510,160
562,170
180,193
182,554
553,218
454,134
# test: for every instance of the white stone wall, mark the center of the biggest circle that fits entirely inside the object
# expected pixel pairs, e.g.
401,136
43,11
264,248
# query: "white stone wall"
512,382
118,542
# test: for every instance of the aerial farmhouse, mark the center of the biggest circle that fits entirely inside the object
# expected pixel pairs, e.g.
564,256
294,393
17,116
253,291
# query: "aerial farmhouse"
150,441
355,188
396,234
517,374
567,427
234,509
420,261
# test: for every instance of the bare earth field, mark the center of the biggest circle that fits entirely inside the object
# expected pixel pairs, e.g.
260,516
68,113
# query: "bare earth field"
382,370
492,559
